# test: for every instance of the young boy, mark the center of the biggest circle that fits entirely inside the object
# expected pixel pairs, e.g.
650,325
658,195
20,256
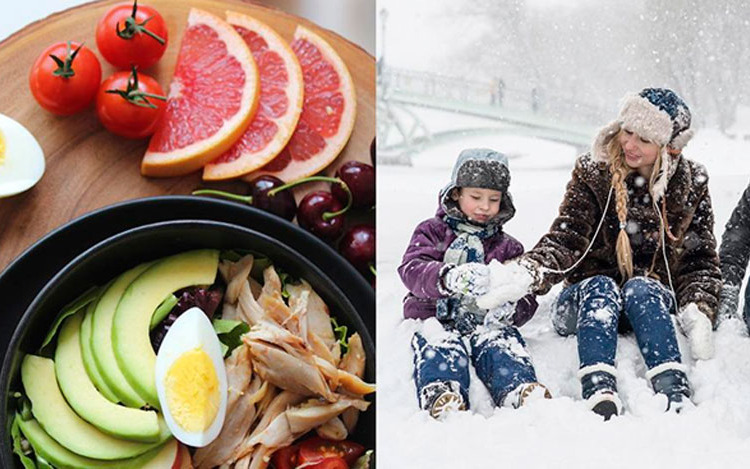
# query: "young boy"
445,269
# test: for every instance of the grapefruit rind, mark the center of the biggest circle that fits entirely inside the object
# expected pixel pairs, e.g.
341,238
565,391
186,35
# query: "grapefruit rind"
192,157
250,161
334,145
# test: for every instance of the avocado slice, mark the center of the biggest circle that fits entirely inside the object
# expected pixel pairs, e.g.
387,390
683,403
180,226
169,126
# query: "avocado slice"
130,330
88,357
81,394
60,421
45,446
101,338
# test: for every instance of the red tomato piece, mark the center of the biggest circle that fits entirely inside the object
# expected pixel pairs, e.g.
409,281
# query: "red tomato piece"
132,35
316,449
285,458
65,78
130,104
330,463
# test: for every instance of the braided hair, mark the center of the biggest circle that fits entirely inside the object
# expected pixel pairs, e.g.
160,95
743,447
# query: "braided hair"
620,171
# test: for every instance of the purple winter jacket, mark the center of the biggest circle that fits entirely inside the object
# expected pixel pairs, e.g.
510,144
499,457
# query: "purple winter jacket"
423,260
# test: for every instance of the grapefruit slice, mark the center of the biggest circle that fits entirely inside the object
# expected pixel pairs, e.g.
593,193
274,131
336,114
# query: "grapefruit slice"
212,97
281,92
328,112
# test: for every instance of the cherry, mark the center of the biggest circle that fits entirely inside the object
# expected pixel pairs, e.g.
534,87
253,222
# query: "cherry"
373,151
322,214
358,246
360,178
262,197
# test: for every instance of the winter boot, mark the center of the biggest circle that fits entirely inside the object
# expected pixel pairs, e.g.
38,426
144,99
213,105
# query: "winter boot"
599,388
670,379
441,398
525,393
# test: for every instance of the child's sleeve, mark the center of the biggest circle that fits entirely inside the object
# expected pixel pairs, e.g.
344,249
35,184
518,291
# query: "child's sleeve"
734,252
422,264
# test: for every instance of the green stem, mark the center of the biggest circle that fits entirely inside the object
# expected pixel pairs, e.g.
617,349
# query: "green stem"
132,27
372,269
326,215
248,199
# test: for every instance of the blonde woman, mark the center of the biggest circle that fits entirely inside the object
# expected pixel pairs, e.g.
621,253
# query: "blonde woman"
633,242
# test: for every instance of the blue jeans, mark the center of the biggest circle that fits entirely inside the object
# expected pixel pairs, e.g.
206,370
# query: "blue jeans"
591,309
498,355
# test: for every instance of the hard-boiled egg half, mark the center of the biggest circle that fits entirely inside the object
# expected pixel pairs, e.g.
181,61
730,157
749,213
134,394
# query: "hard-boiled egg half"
21,158
191,380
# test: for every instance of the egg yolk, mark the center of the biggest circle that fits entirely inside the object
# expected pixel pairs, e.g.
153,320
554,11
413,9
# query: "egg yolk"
192,391
2,148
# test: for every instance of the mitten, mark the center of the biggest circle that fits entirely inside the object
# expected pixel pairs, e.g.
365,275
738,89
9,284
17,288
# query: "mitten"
698,328
729,301
472,278
500,316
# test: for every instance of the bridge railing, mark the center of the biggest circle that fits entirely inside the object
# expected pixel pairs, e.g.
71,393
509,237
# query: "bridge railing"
452,89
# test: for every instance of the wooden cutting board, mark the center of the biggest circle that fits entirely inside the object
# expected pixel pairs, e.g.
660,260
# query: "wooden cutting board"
88,167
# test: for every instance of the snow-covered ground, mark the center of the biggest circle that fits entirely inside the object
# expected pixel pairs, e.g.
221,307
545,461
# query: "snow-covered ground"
560,432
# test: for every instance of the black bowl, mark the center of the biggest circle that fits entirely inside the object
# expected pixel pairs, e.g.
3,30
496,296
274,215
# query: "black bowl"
29,272
115,255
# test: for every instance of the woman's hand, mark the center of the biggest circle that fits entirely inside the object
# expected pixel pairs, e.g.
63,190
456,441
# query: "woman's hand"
699,331
508,283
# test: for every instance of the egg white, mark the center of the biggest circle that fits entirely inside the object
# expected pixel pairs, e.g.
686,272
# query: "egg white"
24,159
191,330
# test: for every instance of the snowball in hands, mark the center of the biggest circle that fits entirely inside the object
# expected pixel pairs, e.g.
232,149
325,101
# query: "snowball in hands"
699,331
471,279
508,282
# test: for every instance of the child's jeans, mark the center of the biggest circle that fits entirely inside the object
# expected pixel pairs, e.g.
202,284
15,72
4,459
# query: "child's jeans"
498,355
591,309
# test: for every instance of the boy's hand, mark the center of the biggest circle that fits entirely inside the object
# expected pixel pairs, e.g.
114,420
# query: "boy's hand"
472,278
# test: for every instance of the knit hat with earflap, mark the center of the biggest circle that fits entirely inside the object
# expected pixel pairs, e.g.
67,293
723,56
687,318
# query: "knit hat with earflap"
659,116
482,168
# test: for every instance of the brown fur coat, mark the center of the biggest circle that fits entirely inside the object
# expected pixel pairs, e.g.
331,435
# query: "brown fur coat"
693,261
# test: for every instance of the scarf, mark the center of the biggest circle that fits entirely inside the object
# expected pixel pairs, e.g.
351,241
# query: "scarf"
460,312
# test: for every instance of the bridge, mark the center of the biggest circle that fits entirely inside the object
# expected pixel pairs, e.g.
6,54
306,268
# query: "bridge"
504,109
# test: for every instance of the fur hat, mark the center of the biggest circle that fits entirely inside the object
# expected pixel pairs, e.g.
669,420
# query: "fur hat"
658,115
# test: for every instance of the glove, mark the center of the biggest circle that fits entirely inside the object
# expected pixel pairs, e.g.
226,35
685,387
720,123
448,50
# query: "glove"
500,316
699,331
508,282
729,301
472,279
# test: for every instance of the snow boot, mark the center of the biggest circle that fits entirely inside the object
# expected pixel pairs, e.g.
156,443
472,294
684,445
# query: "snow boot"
599,388
441,398
527,392
671,381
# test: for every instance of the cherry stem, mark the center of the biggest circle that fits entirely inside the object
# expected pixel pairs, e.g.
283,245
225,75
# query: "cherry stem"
326,215
372,269
132,27
248,199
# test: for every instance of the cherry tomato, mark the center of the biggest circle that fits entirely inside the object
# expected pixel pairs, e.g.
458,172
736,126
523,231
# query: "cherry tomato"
68,82
317,449
330,463
285,458
132,35
130,104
